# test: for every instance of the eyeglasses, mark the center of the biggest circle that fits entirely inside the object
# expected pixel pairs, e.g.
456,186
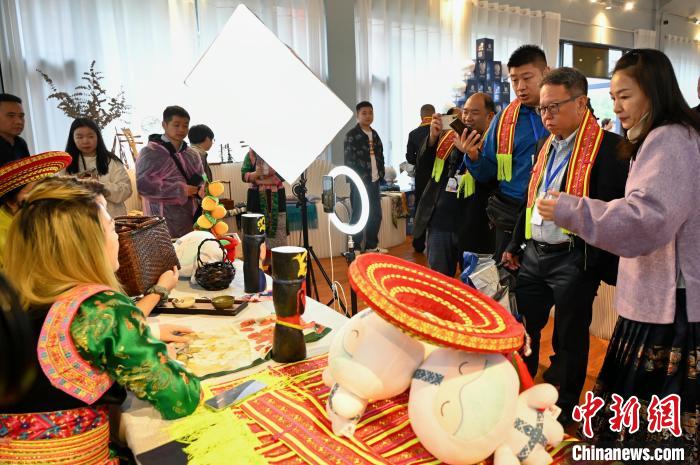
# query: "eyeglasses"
553,108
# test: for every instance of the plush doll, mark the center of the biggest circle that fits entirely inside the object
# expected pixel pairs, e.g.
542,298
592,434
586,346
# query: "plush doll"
369,359
462,404
535,427
186,249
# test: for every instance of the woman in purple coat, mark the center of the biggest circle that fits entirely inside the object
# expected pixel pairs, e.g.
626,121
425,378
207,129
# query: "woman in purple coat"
654,353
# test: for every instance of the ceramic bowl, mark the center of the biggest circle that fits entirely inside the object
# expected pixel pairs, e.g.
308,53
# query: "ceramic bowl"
222,301
183,302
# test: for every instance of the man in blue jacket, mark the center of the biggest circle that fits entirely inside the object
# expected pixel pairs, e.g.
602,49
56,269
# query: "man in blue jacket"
508,152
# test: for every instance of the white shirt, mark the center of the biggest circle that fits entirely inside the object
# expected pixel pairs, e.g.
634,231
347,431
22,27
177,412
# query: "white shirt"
375,171
547,231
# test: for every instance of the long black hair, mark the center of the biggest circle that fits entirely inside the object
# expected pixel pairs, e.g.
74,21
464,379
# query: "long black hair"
104,156
654,74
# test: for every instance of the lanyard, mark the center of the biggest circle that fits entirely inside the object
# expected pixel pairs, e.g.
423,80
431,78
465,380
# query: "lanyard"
549,178
538,134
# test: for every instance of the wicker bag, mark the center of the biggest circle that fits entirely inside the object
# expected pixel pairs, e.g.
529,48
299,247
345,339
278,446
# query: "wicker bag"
145,252
217,275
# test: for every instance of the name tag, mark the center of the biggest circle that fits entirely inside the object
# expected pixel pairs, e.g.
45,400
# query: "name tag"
452,184
536,218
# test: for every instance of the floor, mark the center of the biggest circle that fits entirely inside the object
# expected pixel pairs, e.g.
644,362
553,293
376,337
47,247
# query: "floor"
405,251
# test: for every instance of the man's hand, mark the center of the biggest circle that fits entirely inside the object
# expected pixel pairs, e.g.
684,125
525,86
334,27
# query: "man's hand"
547,206
435,130
169,279
510,261
192,190
175,333
469,143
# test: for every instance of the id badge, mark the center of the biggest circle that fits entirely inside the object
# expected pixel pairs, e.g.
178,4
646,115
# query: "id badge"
536,218
451,185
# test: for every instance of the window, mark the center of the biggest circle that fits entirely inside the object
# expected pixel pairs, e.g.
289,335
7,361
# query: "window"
597,63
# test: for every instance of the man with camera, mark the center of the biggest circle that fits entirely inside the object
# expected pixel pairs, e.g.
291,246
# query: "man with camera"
169,174
444,207
558,268
509,148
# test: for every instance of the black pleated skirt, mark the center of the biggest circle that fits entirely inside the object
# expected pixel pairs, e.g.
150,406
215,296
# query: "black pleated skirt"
644,359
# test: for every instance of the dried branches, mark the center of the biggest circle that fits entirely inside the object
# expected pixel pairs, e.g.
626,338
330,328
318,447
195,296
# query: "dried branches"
89,100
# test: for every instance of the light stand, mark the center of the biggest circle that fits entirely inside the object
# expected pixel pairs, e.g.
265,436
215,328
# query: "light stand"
349,258
299,190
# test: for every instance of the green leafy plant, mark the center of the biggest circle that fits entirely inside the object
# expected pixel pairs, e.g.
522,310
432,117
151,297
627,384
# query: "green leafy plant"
89,100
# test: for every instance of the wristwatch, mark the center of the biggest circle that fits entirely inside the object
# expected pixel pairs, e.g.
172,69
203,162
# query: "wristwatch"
160,290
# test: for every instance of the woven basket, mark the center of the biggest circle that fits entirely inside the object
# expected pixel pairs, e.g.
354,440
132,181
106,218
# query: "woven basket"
145,252
217,275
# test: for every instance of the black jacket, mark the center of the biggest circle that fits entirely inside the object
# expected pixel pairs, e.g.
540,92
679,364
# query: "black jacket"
608,179
469,215
356,152
415,142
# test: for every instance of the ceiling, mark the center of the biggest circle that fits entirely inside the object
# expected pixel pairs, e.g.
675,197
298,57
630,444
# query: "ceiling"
681,7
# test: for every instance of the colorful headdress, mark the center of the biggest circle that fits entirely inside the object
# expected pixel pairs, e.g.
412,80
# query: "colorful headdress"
433,307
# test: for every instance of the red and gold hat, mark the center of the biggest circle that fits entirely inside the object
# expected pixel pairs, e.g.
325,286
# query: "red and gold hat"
25,170
433,307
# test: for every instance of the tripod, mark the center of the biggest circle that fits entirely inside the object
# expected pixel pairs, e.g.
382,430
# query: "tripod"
299,190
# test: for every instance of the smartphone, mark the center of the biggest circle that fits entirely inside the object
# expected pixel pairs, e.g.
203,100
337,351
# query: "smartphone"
328,195
447,120
234,395
459,127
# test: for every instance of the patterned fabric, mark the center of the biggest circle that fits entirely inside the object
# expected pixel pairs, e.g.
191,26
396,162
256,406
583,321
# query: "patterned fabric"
268,197
25,170
645,359
506,140
433,307
356,150
583,156
112,335
58,357
78,437
428,376
292,425
444,149
535,434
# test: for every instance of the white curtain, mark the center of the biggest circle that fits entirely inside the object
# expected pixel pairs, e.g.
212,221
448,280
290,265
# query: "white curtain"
409,52
512,26
145,48
684,53
644,38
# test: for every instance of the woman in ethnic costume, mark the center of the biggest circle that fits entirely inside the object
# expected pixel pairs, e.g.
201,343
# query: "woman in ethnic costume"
266,195
89,335
655,229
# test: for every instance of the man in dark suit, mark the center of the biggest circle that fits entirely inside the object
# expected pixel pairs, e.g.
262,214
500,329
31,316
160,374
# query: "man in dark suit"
452,209
558,268
415,141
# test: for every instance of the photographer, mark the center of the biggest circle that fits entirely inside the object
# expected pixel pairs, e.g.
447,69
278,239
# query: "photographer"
169,174
446,207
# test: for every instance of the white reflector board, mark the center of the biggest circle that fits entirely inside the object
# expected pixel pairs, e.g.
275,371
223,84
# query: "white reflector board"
273,100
